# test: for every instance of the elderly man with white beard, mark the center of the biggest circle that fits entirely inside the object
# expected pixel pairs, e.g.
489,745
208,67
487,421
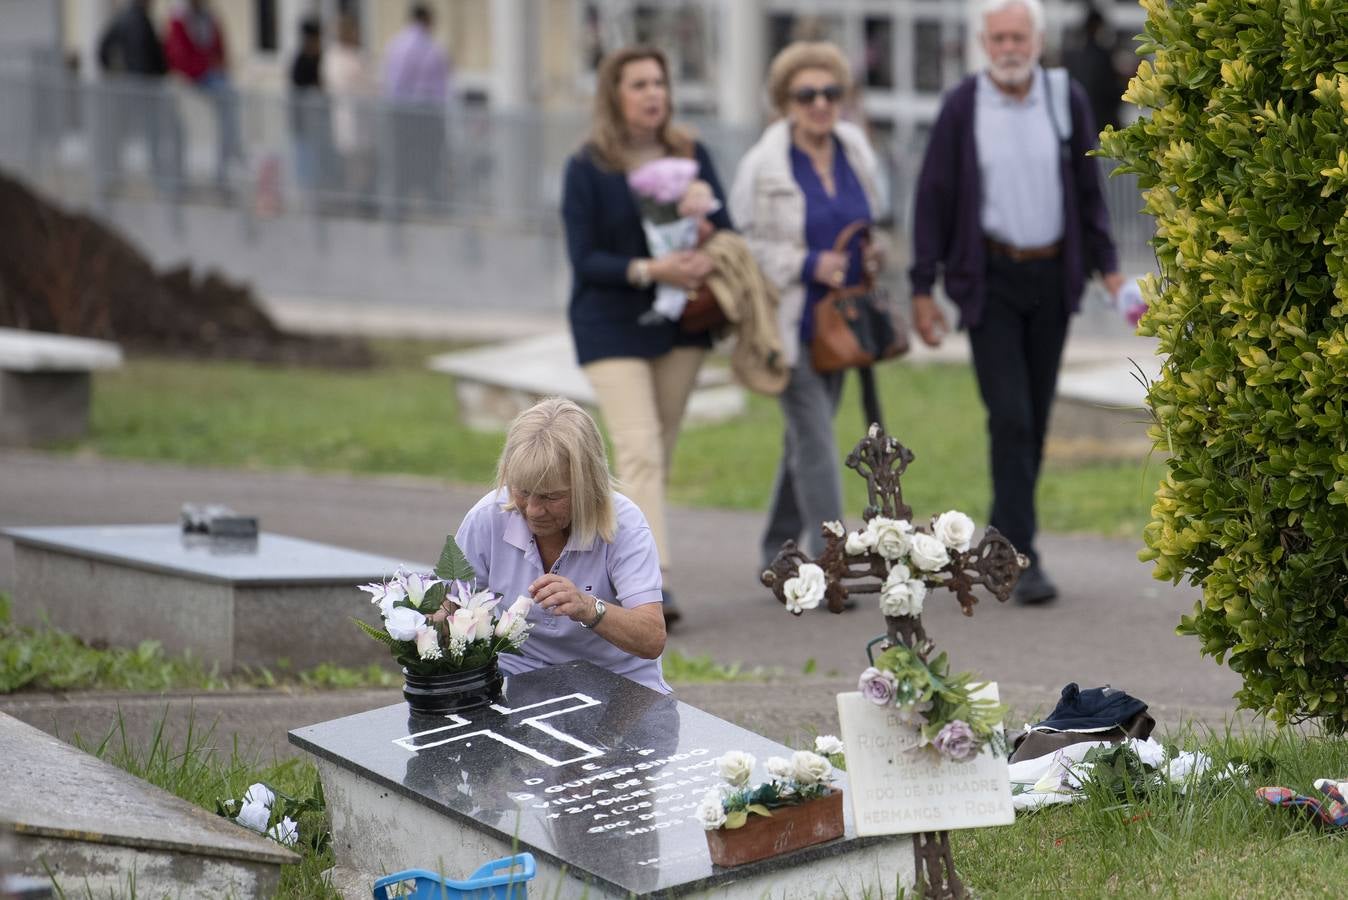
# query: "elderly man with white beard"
1010,214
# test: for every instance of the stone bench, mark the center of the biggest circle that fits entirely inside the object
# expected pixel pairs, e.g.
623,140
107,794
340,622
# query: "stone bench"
45,384
1100,411
493,384
231,602
95,829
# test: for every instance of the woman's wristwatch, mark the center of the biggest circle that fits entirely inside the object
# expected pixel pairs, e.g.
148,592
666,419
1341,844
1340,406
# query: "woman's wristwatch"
599,609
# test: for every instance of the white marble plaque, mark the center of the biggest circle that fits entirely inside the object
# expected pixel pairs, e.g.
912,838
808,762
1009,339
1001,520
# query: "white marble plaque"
899,788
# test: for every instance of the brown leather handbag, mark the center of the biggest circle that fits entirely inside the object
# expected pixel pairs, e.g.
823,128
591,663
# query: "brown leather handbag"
858,325
702,313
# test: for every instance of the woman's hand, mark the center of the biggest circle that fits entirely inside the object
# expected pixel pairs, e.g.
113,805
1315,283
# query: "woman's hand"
560,597
873,258
682,268
830,268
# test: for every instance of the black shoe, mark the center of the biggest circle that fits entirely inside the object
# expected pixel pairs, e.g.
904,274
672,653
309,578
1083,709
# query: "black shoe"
1033,587
672,612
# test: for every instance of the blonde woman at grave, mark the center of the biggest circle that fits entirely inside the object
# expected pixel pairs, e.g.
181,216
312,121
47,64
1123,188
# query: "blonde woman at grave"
554,529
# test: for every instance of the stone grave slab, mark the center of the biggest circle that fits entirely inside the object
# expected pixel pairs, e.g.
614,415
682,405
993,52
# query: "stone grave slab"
494,384
231,602
99,829
45,384
595,775
898,788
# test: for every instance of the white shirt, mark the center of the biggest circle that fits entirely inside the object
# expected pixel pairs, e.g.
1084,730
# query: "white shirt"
1018,153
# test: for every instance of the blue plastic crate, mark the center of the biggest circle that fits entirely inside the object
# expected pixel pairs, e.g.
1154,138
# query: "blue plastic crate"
500,879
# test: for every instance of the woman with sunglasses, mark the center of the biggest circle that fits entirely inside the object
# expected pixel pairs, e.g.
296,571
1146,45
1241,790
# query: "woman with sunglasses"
809,176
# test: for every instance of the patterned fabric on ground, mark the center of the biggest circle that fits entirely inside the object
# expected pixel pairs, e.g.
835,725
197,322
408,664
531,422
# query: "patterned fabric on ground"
1331,811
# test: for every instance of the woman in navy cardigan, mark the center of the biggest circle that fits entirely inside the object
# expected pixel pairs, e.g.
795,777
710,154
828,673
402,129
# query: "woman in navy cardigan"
642,369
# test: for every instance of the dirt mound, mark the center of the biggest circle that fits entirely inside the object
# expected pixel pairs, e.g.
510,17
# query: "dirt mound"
71,274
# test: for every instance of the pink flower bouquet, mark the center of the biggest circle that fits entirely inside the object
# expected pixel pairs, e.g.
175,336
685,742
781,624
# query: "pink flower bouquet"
674,204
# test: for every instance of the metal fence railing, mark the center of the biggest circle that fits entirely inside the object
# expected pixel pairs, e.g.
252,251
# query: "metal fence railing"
220,179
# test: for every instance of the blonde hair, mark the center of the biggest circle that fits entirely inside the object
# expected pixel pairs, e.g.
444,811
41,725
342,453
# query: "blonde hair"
798,56
608,131
556,444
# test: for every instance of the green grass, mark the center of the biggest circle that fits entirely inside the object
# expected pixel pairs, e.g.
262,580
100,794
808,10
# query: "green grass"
201,773
1218,842
401,419
45,659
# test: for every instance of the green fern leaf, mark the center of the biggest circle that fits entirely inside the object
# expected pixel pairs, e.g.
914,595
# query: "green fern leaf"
378,634
453,565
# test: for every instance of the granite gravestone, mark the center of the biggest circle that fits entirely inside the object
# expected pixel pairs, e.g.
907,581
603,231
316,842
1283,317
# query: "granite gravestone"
901,788
230,601
595,775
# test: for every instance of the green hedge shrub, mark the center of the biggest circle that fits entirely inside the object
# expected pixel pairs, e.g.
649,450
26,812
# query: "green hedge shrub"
1244,162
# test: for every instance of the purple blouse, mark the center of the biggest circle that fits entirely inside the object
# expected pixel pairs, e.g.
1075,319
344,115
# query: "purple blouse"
825,217
625,573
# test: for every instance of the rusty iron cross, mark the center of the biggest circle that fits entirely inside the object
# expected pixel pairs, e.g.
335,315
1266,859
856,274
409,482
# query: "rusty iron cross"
993,563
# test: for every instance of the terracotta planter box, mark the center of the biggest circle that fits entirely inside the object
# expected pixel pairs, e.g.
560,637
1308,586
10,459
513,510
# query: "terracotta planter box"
789,828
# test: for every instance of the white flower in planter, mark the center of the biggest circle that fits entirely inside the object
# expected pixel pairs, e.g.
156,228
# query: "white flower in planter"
928,553
428,643
736,767
827,745
403,623
954,529
779,769
463,625
710,812
385,595
523,603
416,584
810,768
805,590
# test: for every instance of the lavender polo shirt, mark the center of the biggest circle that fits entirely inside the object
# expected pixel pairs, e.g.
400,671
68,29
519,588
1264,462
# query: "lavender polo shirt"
626,573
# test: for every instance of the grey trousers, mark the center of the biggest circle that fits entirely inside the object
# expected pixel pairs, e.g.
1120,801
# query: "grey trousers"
808,488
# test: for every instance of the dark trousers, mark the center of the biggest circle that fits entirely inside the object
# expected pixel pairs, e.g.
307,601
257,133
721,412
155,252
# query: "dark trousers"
1017,349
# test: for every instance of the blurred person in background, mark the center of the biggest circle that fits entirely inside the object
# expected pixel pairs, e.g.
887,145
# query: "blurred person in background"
416,84
195,47
809,176
1010,212
130,53
1092,65
349,82
642,370
310,122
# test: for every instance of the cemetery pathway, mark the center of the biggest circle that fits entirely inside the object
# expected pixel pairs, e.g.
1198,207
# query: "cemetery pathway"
1113,623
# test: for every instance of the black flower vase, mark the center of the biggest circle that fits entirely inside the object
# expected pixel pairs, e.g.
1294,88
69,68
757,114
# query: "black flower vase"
437,695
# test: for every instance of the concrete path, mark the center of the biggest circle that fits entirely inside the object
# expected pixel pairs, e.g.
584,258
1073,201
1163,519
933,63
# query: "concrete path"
1113,624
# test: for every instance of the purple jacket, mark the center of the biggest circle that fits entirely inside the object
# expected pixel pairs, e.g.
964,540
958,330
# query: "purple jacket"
947,231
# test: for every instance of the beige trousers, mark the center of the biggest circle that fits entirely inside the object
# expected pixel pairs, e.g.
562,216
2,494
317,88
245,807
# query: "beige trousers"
642,402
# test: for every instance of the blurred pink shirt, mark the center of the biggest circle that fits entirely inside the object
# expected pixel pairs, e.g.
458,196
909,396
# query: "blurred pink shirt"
625,573
416,69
